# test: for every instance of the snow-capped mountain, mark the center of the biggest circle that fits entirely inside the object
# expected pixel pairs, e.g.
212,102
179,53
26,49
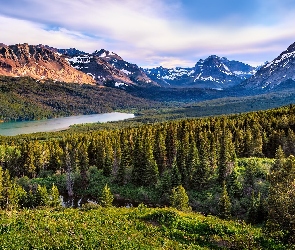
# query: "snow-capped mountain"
213,72
274,73
108,68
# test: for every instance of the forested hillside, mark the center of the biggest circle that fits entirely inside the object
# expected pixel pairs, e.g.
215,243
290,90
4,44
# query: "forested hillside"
224,163
27,99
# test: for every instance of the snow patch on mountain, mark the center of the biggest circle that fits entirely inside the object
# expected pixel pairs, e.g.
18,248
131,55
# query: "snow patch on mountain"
79,59
220,72
283,57
273,73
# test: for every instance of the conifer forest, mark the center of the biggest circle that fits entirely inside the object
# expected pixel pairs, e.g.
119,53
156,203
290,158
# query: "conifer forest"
239,168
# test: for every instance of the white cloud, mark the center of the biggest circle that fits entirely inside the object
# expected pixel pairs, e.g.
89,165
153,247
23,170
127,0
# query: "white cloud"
148,32
20,31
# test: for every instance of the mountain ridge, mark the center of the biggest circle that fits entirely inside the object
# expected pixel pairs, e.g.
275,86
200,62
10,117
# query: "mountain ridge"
272,74
213,72
39,63
108,68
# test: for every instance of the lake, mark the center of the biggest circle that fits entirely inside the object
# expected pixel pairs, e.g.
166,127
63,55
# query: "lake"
56,124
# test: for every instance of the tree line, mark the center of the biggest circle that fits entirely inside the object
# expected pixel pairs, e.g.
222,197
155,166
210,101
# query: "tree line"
194,150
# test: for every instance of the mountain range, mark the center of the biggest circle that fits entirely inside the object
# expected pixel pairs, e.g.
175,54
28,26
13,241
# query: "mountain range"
109,68
214,72
103,67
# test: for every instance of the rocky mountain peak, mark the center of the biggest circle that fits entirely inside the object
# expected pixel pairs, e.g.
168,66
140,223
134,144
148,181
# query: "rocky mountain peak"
275,72
39,63
109,68
291,48
107,55
212,72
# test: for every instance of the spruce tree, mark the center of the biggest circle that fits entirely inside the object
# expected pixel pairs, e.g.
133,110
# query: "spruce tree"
224,204
160,151
138,164
179,199
203,172
83,163
107,197
108,158
42,196
193,162
171,144
151,173
227,155
54,200
175,175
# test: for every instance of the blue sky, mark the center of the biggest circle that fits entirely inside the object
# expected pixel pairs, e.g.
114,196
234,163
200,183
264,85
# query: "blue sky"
155,32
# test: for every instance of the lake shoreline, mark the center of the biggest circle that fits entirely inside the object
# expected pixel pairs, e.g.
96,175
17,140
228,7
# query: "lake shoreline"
58,124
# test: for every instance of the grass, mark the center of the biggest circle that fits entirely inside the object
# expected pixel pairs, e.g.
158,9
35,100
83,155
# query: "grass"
123,228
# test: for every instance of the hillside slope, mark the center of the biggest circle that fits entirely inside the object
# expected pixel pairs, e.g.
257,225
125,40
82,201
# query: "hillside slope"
26,99
39,63
274,73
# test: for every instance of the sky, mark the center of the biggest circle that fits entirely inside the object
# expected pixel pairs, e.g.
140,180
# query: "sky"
153,33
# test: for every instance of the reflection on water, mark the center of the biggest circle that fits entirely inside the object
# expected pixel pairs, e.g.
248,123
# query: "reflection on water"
56,124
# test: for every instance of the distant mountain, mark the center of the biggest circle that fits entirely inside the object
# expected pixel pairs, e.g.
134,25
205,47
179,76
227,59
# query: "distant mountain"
108,68
213,72
67,52
39,63
278,73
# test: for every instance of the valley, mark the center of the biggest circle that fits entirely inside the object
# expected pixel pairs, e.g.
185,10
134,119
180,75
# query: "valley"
210,148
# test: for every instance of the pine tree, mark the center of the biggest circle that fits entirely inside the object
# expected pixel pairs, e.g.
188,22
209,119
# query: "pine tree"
179,199
256,212
175,175
122,169
193,162
160,151
92,152
227,155
83,163
250,172
126,159
16,195
183,152
55,156
290,143
107,197
138,165
235,186
171,144
166,185
224,204
54,200
69,170
203,171
42,196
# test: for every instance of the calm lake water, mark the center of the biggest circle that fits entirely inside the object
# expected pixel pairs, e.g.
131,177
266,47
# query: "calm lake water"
56,124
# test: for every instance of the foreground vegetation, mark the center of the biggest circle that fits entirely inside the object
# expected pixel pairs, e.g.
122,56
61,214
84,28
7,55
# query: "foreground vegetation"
120,228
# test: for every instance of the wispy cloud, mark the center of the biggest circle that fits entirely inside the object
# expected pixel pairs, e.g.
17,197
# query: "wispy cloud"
148,32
